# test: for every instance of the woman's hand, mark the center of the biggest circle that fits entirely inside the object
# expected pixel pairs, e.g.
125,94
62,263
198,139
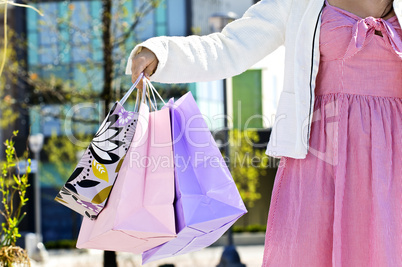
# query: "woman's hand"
144,61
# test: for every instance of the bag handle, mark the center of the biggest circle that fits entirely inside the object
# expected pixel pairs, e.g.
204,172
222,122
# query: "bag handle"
150,91
124,99
153,105
143,95
153,89
147,90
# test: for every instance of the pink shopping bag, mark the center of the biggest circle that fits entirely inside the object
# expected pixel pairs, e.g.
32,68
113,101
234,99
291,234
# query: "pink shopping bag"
139,214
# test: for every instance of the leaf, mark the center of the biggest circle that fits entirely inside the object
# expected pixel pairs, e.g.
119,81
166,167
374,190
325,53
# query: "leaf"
102,195
16,180
100,171
64,191
114,157
88,183
71,188
108,135
75,174
60,200
106,125
124,11
113,108
119,165
113,119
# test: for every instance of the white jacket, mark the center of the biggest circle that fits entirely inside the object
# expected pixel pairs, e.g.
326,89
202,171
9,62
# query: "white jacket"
242,43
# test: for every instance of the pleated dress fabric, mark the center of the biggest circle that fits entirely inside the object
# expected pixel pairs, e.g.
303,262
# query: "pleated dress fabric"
342,204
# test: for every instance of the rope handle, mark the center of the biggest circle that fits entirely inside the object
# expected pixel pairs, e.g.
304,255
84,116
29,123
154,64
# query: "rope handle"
125,97
151,90
144,93
141,95
154,90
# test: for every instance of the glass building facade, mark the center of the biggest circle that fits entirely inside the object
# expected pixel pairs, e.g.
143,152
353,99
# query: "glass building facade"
68,39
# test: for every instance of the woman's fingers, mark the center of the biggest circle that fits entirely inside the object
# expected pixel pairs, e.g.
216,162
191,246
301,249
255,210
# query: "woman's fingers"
145,61
150,69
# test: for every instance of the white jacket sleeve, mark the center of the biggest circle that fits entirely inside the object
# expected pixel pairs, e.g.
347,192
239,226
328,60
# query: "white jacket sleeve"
240,45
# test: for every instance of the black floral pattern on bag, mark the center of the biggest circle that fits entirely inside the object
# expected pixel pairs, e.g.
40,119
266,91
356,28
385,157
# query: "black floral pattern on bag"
99,164
103,144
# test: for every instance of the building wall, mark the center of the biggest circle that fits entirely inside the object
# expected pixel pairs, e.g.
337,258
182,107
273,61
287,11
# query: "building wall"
202,10
272,67
257,91
258,214
210,95
271,70
246,100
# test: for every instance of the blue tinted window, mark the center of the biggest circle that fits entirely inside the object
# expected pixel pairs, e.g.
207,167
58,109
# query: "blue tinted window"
65,49
97,52
176,14
64,9
70,33
34,117
48,34
80,53
47,28
50,9
32,18
33,48
81,21
96,31
96,10
48,54
89,75
160,20
145,28
209,97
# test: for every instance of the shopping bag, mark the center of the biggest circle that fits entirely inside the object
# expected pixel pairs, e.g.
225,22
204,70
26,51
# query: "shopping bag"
207,201
139,214
88,188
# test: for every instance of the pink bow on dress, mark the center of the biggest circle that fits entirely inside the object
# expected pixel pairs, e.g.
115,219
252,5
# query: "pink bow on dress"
365,29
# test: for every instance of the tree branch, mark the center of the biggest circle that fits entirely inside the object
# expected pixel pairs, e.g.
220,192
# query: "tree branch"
137,19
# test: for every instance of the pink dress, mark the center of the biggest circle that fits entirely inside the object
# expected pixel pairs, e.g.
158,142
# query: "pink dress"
342,204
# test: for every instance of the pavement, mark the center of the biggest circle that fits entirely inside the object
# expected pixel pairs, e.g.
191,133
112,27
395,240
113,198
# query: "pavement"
251,256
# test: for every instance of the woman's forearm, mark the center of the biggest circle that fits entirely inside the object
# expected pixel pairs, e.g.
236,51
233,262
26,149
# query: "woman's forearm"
241,44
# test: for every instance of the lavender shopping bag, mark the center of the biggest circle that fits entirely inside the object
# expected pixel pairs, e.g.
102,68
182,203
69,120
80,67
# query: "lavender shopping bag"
207,200
87,189
139,214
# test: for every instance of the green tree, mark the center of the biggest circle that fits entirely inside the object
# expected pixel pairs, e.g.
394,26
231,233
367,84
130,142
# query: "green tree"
8,66
247,164
13,188
6,98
